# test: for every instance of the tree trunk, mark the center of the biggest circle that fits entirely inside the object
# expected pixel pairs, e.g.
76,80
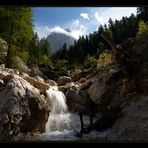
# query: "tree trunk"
9,61
121,57
111,44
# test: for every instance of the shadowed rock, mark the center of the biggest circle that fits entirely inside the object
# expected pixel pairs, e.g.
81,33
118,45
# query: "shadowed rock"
22,108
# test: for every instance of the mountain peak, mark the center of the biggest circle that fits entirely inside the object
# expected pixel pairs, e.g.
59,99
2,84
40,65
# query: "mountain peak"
68,30
58,39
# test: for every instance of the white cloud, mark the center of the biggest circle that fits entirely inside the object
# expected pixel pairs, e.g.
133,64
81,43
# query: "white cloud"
75,32
74,23
99,18
76,28
85,16
102,17
58,29
42,31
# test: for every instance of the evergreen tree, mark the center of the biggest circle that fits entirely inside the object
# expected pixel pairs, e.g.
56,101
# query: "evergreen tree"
93,44
15,29
142,13
34,49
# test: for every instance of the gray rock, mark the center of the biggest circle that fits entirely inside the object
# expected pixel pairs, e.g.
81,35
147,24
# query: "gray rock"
86,84
22,109
51,82
63,80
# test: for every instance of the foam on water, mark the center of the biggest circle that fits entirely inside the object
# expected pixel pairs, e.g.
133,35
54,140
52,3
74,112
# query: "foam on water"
70,134
59,117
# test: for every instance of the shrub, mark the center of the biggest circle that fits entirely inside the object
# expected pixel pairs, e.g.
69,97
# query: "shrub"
23,55
142,28
44,60
59,64
90,61
105,59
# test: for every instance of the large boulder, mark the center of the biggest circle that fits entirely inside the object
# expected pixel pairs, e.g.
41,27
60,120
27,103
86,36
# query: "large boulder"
82,80
38,83
22,108
67,86
86,84
63,80
35,71
21,64
77,101
85,73
6,71
101,91
51,82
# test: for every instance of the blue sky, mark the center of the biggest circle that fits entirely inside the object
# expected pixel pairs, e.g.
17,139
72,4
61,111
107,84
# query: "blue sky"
80,20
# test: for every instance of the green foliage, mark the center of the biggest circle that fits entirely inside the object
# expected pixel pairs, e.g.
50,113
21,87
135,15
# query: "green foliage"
142,29
3,49
44,47
16,29
90,61
108,32
93,44
106,58
100,46
142,13
39,52
123,29
44,60
24,55
59,64
17,65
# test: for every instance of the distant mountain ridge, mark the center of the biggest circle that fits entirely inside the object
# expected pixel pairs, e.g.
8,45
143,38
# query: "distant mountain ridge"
58,39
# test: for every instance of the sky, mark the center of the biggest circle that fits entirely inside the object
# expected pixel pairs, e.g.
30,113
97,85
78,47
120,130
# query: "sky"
80,20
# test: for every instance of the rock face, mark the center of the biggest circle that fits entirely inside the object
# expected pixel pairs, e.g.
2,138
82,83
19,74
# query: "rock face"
85,73
40,85
133,123
126,107
63,80
78,101
101,91
119,92
57,40
22,107
86,84
34,71
22,65
120,96
51,82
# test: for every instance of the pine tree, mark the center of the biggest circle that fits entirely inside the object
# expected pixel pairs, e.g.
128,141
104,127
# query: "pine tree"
142,13
34,50
16,29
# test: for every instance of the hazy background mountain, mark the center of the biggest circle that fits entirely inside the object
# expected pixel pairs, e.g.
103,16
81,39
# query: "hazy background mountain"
57,40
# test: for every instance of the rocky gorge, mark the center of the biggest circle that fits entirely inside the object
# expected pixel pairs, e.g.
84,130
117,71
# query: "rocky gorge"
120,96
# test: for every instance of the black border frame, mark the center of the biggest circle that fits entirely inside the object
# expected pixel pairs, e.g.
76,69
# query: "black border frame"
74,3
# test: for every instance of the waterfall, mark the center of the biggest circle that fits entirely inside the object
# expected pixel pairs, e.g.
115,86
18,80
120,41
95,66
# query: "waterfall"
59,117
62,124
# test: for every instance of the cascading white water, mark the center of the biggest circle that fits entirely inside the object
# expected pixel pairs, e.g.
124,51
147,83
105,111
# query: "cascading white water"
59,117
62,125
